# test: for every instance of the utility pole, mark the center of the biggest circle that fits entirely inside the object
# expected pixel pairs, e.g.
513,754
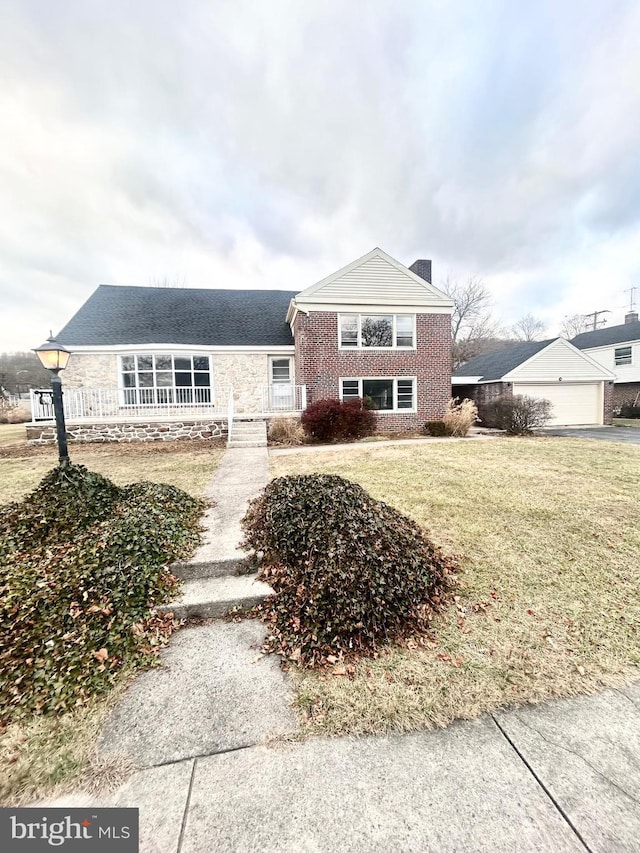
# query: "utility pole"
595,315
632,300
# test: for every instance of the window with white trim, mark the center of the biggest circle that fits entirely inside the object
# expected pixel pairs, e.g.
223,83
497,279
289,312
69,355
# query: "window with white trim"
622,355
381,394
151,380
380,331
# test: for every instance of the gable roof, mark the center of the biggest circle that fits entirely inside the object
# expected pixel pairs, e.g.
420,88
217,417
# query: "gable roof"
611,335
115,315
494,365
374,279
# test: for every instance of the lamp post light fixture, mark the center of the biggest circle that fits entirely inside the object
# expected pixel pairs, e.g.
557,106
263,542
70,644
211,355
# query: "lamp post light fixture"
55,357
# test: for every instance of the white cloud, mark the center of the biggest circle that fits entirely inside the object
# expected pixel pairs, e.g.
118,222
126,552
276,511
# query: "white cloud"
252,144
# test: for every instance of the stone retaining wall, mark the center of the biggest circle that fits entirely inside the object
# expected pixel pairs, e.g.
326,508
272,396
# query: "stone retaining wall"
101,432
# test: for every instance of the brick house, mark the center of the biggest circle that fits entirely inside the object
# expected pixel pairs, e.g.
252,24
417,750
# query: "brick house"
152,363
579,389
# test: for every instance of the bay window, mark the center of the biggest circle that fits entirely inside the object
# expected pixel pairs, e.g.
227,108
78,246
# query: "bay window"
150,380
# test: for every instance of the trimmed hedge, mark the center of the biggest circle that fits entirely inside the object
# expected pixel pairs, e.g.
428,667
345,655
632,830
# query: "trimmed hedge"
336,420
349,572
83,565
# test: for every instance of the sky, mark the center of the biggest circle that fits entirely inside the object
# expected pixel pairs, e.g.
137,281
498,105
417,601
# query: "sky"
259,144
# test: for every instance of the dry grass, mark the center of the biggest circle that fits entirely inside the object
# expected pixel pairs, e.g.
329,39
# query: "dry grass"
551,603
49,756
188,465
12,434
287,431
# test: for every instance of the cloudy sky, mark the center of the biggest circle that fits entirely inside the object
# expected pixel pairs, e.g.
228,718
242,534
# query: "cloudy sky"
266,143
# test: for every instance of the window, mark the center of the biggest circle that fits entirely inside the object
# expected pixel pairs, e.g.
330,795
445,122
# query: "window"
382,331
622,355
383,395
281,370
151,380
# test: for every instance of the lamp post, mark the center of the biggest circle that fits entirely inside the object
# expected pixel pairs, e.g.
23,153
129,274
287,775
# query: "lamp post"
55,357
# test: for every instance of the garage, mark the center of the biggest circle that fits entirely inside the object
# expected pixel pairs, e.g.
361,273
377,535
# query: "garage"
552,370
573,402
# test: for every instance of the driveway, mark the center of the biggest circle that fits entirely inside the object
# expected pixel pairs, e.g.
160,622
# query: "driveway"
630,435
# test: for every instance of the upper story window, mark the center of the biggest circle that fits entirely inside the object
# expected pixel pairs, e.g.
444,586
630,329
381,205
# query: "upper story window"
149,380
622,355
381,331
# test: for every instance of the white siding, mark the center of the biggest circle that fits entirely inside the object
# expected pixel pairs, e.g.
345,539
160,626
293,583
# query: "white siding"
375,279
573,403
623,372
559,359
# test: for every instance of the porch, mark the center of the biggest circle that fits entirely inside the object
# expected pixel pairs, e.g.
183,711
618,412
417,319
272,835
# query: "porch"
135,406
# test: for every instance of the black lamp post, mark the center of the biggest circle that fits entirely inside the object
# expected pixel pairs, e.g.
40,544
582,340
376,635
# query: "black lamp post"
54,357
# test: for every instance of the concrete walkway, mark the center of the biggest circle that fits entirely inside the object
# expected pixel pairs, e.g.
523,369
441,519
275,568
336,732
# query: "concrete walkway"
560,776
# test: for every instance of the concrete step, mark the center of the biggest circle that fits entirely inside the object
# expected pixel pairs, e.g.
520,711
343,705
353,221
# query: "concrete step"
211,597
248,434
215,568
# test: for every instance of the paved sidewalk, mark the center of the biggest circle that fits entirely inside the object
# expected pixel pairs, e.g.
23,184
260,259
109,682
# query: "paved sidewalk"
560,776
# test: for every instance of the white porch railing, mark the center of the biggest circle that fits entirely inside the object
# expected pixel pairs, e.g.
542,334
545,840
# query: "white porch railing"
283,397
144,404
113,404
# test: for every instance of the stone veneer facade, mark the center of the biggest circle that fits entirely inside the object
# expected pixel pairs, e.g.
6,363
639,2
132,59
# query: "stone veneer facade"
319,364
112,432
245,372
91,370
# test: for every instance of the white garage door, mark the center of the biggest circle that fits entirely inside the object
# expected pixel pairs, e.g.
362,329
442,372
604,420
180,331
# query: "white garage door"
573,402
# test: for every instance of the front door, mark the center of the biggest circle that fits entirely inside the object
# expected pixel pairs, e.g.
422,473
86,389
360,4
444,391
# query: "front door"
281,388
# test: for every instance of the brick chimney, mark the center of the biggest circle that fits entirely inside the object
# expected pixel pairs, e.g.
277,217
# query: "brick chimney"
631,317
422,268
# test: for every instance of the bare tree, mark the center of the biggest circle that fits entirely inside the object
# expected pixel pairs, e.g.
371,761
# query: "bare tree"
165,281
471,322
574,324
529,328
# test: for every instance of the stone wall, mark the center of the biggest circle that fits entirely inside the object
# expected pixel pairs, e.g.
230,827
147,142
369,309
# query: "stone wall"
91,370
113,432
246,372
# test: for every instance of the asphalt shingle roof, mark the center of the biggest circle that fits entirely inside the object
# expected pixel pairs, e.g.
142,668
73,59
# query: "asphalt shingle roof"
610,335
171,315
494,365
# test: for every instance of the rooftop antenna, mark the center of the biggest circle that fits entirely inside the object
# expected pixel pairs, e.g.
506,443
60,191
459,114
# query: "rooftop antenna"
632,300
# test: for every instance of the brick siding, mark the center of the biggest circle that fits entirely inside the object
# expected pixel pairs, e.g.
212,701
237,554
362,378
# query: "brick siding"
320,364
624,392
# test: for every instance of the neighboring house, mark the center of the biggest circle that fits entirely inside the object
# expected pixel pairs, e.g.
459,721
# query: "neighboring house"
579,389
618,349
153,362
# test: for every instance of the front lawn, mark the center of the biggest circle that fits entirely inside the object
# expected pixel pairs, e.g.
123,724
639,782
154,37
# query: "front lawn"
189,465
549,537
